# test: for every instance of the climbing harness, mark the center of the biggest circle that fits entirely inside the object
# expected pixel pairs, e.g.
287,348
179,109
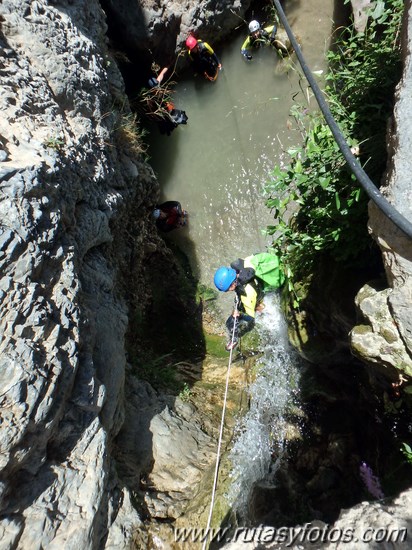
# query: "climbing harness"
386,207
221,430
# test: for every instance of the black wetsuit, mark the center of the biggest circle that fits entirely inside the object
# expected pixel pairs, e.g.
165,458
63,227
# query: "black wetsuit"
204,59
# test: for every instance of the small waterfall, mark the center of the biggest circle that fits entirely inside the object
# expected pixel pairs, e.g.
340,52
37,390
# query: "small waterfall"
261,434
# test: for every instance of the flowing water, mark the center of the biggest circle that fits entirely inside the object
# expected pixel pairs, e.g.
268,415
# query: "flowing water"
217,166
261,434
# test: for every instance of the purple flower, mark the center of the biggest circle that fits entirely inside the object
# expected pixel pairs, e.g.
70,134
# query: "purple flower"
371,482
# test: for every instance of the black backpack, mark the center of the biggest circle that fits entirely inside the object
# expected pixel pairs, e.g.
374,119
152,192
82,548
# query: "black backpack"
245,276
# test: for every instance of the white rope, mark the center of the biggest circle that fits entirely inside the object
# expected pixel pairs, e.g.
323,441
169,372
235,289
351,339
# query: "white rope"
221,430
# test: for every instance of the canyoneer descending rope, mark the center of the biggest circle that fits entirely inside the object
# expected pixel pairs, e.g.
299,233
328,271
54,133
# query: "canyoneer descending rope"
261,270
250,278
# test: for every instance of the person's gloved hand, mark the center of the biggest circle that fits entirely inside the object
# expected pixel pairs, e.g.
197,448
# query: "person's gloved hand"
246,54
273,33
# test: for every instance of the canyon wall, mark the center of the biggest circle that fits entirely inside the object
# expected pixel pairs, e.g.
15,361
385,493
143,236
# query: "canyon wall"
69,176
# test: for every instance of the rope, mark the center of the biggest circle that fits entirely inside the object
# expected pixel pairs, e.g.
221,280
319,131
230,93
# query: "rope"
221,430
386,207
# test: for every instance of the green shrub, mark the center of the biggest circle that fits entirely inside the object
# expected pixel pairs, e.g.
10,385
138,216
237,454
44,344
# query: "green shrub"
318,206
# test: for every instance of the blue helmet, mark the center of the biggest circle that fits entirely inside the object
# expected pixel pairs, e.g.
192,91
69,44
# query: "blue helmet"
224,277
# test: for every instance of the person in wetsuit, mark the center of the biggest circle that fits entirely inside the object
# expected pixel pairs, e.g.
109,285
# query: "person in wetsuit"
169,215
204,59
250,279
257,37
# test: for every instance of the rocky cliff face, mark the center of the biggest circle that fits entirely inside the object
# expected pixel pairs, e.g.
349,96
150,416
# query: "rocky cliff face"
68,181
383,339
81,263
157,30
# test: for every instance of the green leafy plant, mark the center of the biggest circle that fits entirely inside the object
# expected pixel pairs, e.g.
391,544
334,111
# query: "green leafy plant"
185,393
407,452
316,202
363,71
205,293
55,143
158,371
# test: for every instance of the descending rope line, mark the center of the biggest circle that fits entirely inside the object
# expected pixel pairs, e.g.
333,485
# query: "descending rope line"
386,207
221,429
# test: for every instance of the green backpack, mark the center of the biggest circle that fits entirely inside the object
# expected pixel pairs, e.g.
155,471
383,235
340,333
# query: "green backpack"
268,269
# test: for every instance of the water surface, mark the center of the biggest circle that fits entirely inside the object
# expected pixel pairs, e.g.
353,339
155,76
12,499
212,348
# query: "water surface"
217,167
238,128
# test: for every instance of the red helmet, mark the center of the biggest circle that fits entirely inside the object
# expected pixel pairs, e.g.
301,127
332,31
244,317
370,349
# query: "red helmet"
191,42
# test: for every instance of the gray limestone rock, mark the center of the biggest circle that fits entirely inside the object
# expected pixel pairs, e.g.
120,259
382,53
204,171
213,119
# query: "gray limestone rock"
63,185
159,29
387,316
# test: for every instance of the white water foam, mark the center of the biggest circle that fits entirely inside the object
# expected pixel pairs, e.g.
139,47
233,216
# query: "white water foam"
260,435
